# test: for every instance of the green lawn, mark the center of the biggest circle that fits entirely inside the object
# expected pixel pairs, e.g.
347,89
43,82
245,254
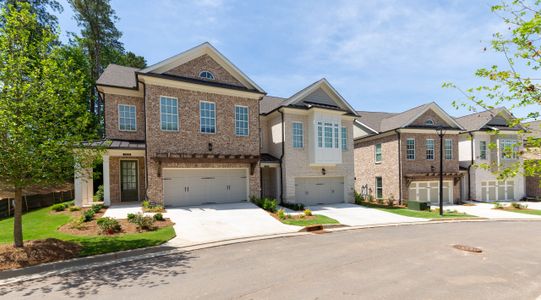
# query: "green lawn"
419,214
41,224
318,219
525,211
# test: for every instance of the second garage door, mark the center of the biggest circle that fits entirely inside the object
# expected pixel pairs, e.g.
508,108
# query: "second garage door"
186,187
319,190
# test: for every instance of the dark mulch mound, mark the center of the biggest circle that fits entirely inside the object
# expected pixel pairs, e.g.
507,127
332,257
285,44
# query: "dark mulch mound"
36,252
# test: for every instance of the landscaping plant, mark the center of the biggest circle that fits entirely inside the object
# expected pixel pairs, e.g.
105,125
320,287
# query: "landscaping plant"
269,204
498,205
74,208
307,212
109,225
281,214
293,206
158,217
143,222
96,208
99,194
58,207
152,206
88,215
517,205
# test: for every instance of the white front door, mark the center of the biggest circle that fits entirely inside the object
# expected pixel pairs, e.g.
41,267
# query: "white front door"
428,191
185,187
319,190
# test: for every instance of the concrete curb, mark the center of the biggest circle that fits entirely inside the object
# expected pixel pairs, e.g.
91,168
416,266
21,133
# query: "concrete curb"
84,263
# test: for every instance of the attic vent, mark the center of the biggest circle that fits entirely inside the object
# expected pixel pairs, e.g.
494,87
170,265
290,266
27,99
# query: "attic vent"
206,75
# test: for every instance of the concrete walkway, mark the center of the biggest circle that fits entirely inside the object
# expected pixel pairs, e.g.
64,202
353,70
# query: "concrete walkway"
485,210
355,215
217,222
121,211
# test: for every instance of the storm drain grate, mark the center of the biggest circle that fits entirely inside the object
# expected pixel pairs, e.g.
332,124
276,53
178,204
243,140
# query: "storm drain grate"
468,248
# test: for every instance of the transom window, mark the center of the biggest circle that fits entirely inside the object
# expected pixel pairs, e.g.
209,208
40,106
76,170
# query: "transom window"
127,117
379,188
328,135
430,149
410,149
298,135
207,117
508,149
241,120
448,149
378,153
483,149
168,113
320,135
344,138
206,75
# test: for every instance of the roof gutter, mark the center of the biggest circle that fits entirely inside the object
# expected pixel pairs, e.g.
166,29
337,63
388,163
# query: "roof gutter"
399,166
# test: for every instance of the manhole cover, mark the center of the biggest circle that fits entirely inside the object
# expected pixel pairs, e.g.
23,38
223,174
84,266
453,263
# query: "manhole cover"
468,248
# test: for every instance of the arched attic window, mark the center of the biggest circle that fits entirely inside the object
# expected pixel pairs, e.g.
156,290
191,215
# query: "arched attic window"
206,75
429,122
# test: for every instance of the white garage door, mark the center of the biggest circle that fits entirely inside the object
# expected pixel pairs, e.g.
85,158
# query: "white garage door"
184,187
319,190
428,191
497,190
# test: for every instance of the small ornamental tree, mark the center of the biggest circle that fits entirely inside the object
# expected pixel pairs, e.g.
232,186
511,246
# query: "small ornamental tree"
41,115
516,82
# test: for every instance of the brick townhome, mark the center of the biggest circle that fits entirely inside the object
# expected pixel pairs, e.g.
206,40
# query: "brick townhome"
533,156
181,132
397,154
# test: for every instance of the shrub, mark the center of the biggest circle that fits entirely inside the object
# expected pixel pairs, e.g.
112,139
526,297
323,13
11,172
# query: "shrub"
88,215
143,222
77,223
498,205
307,212
269,204
58,207
281,214
517,205
98,196
74,208
149,206
131,217
359,198
96,208
293,206
158,217
108,225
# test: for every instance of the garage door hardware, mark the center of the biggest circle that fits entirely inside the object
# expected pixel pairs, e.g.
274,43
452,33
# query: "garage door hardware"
468,248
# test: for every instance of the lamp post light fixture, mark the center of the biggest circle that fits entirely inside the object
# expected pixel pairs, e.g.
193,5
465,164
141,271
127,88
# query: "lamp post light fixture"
441,132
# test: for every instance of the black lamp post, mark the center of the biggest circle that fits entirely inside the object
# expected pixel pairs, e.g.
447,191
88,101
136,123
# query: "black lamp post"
441,133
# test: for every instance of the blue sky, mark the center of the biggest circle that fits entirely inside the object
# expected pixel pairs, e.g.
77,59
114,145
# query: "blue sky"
380,55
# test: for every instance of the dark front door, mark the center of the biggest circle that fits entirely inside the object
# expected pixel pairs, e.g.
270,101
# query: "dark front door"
128,180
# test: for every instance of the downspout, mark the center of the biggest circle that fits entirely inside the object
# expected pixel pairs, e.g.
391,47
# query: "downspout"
470,166
259,150
145,134
281,159
399,167
101,97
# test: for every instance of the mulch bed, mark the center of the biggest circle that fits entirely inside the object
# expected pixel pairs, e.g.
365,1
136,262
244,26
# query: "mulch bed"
92,229
36,252
294,217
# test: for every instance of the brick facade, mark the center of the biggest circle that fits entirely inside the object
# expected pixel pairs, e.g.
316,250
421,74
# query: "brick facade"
114,177
192,69
112,130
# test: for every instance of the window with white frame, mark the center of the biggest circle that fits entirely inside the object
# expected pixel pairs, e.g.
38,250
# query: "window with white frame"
328,135
344,138
379,188
508,149
241,120
429,122
207,117
430,149
319,134
482,149
410,149
448,148
298,135
336,137
377,150
169,113
127,117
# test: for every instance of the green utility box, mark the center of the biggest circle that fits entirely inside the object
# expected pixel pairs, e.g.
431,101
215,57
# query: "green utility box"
416,205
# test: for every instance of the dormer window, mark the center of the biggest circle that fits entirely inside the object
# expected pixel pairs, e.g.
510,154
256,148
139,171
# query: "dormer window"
206,75
429,122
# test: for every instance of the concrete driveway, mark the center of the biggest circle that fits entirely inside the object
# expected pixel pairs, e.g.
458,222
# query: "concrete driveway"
217,222
485,210
354,215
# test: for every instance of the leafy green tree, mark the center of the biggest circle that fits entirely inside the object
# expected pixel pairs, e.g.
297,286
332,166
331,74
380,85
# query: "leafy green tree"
41,115
515,83
42,9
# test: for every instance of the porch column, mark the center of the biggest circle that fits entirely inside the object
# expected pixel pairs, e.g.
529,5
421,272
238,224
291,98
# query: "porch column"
83,185
106,181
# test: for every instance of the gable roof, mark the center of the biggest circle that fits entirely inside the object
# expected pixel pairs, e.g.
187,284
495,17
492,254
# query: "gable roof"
534,129
118,76
479,120
270,103
384,121
195,52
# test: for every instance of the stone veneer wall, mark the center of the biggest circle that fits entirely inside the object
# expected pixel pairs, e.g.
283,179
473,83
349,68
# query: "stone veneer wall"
111,117
114,177
192,69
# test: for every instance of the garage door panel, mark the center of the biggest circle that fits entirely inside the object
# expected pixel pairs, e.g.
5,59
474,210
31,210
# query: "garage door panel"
428,191
319,190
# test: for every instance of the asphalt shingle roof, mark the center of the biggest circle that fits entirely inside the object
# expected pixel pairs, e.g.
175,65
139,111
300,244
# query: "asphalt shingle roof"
477,120
384,121
116,75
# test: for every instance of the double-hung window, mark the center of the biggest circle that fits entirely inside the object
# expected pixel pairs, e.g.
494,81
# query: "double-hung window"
508,149
430,149
207,117
169,113
241,120
126,117
344,138
328,135
379,188
410,149
448,149
298,135
482,149
378,153
319,134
